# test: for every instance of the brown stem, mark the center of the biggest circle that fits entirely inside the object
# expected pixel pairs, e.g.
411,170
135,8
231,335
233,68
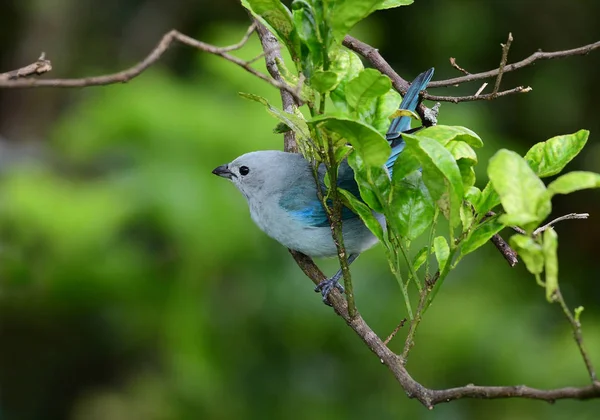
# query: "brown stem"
505,48
272,53
476,97
536,56
41,66
576,326
167,40
509,254
431,397
401,85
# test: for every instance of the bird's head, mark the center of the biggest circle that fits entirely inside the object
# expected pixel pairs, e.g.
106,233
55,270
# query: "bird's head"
254,171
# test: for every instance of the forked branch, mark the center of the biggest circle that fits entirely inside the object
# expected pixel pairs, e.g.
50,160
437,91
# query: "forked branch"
164,44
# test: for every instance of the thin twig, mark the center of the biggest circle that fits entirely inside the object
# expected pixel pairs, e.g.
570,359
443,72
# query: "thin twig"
519,230
255,59
134,71
576,326
243,41
483,86
454,64
569,216
487,97
509,254
40,66
393,334
505,48
409,343
536,56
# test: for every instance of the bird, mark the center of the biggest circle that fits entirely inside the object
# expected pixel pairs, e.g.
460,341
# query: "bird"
281,192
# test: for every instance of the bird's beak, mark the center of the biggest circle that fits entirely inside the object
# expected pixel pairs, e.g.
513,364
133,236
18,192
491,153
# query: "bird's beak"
223,171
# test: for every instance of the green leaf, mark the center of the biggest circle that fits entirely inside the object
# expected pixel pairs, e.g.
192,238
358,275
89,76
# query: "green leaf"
347,65
324,81
420,258
467,173
278,18
364,212
406,163
344,14
489,199
293,121
281,128
368,143
461,150
466,215
314,36
550,246
550,157
411,207
440,174
389,4
444,134
482,234
373,182
578,312
442,251
404,113
473,196
369,84
529,251
574,181
378,110
522,193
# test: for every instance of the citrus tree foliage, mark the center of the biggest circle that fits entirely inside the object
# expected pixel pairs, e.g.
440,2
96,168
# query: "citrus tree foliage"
348,110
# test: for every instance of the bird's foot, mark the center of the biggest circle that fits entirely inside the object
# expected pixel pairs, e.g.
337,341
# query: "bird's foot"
326,286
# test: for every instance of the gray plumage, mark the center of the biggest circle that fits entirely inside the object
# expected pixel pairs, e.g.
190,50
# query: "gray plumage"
282,197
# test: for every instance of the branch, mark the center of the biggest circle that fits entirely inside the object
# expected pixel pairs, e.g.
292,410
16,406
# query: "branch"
538,55
569,216
41,66
454,64
167,40
431,397
272,54
401,85
509,254
476,97
505,48
577,334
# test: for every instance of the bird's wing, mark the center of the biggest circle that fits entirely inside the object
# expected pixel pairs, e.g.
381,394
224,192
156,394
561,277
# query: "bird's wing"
402,124
301,200
302,203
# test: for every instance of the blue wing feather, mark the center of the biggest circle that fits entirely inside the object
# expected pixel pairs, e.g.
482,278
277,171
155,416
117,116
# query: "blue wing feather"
301,200
402,124
302,203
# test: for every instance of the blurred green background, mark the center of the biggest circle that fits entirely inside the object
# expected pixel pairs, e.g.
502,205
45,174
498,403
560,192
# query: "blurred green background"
133,284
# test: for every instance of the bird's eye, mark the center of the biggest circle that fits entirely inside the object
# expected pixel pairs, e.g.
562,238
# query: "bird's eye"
244,170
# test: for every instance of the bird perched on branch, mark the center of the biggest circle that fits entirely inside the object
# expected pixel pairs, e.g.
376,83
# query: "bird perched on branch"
282,195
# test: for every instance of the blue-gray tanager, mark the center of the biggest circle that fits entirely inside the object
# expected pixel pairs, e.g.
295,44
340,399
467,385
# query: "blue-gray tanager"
282,194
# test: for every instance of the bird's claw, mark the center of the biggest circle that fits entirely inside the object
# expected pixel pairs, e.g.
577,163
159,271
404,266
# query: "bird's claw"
326,286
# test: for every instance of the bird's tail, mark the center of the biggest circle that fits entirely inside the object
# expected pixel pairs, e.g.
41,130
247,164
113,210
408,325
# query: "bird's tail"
402,124
409,102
